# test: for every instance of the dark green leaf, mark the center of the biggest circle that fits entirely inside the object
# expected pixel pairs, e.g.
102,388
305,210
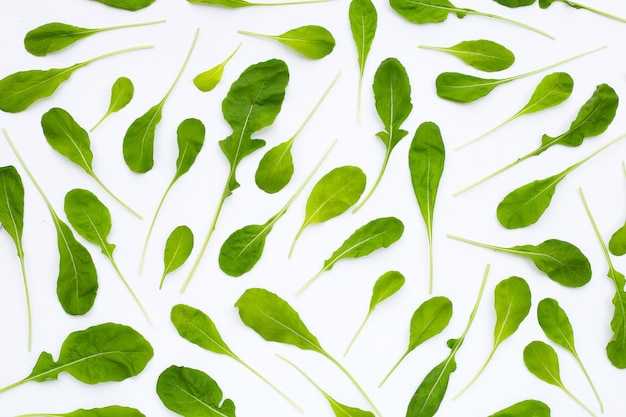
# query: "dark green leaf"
312,41
553,89
121,94
131,5
617,243
178,247
12,205
192,393
198,328
483,55
616,348
53,37
515,3
68,138
89,217
243,248
526,408
429,394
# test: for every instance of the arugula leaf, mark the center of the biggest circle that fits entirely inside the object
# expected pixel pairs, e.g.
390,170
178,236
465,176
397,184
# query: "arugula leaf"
235,4
130,5
561,261
333,194
92,220
190,392
252,103
72,141
110,411
544,4
377,234
138,143
12,220
20,90
430,319
208,80
312,41
102,353
481,54
427,156
363,22
178,247
392,93
77,280
387,285
121,94
55,36
617,243
526,408
525,205
276,321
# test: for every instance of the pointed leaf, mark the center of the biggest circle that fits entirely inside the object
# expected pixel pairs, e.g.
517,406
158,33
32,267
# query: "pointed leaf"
363,21
526,408
208,80
178,247
196,327
342,410
387,285
12,205
431,391
89,217
68,138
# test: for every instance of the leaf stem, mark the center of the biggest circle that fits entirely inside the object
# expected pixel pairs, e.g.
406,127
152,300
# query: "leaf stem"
393,368
580,403
367,316
27,296
506,19
288,3
116,198
309,282
120,51
487,133
378,178
593,387
593,10
152,223
182,68
131,25
480,371
260,35
473,242
127,285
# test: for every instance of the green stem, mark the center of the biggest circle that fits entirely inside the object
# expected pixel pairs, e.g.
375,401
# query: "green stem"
475,309
116,198
182,68
107,114
367,316
295,239
480,371
593,387
378,178
260,35
591,9
288,3
156,213
580,403
131,25
274,387
393,368
473,242
309,282
431,264
27,296
120,51
506,19
487,133
127,285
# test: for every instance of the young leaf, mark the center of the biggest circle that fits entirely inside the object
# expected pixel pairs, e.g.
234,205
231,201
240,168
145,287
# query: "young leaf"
235,4
431,391
339,409
392,93
276,166
377,234
12,220
110,411
553,89
312,41
526,408
138,144
198,328
617,243
102,353
544,4
20,90
130,5
252,103
482,54
427,155
363,22
189,392
616,348
430,318
464,88
333,194
387,285
515,3
92,220
561,261
178,247
72,141
512,302
53,37
208,80
190,138
276,321
525,205
557,327
121,94
244,247
593,118
543,362
77,281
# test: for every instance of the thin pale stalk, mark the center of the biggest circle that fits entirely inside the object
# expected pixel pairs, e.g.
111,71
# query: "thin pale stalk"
600,12
38,415
309,282
475,309
624,168
617,139
480,371
131,25
116,198
506,19
182,68
224,62
102,119
378,178
357,333
487,133
27,296
431,264
128,287
120,51
393,368
580,403
593,387
473,242
295,239
288,3
156,213
260,35
493,174
274,387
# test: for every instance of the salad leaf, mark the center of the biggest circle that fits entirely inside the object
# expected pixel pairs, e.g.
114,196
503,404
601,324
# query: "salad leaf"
208,80
544,4
178,247
363,22
110,411
131,5
526,408
312,41
481,54
235,4
121,94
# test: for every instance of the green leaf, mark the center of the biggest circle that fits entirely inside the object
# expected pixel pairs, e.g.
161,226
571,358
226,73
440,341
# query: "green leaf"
121,94
392,94
561,261
192,393
427,156
55,36
333,194
110,411
363,22
178,247
617,243
243,248
102,353
234,4
544,4
131,5
198,328
526,408
515,3
208,80
312,41
20,90
482,54
428,320
377,234
275,320
542,361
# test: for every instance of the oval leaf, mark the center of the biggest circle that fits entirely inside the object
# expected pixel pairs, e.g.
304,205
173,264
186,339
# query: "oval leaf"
196,327
553,89
121,94
178,247
89,217
526,408
275,168
542,361
12,205
68,138
387,285
131,5
243,249
617,243
512,302
208,80
555,324
312,41
190,138
430,318
482,54
53,37
111,411
464,88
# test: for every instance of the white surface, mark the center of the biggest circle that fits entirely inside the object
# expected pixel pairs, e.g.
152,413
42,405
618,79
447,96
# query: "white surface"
334,306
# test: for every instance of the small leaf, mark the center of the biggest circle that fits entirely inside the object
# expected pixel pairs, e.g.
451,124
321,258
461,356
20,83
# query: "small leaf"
198,328
312,41
130,5
178,247
208,80
89,217
243,248
542,361
121,94
512,302
387,285
275,168
617,243
483,55
526,408
363,22
190,138
515,3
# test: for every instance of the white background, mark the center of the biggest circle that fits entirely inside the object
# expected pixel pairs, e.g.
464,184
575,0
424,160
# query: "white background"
334,306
